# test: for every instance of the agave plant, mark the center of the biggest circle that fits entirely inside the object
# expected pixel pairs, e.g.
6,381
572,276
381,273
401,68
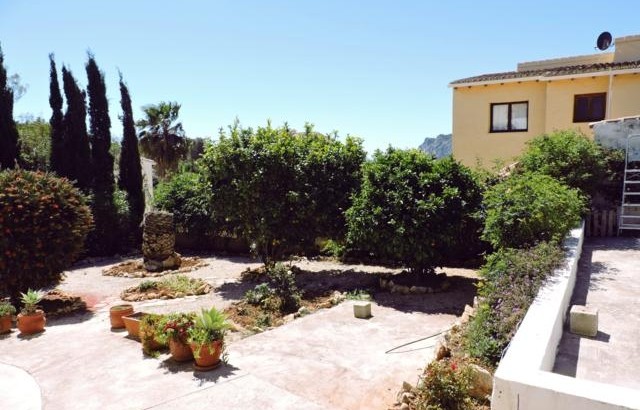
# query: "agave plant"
30,301
209,326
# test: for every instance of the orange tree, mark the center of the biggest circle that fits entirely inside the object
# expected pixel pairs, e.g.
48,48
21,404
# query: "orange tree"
281,189
416,210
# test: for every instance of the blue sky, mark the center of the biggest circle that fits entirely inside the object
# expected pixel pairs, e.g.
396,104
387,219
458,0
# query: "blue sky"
375,69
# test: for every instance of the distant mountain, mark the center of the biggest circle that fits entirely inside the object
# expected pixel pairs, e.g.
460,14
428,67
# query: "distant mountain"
439,146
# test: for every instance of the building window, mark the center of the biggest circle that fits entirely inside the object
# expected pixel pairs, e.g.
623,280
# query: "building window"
509,117
589,107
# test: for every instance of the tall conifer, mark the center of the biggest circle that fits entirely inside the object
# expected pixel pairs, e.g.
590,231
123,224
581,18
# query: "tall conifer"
105,233
130,178
9,146
76,140
57,157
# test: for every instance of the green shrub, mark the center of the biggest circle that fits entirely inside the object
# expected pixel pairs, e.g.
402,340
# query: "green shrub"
259,294
44,221
568,156
282,281
529,208
445,386
279,189
188,197
511,279
415,210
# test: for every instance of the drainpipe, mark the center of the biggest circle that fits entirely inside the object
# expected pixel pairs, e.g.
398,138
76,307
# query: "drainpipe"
608,112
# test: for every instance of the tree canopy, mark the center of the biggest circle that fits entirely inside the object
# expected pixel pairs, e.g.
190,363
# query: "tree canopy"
162,137
9,145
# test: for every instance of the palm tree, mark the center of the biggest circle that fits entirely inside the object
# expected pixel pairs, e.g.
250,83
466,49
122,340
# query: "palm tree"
161,137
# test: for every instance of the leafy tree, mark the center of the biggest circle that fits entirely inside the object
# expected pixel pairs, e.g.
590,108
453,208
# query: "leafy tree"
35,143
161,137
9,145
76,140
130,171
530,208
188,197
568,156
104,237
57,160
273,185
411,208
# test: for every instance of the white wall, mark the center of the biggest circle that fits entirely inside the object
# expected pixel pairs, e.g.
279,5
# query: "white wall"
524,379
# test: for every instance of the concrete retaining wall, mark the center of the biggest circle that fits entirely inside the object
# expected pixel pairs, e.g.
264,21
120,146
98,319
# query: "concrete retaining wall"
524,379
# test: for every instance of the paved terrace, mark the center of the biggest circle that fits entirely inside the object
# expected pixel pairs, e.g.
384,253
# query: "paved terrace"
609,280
326,360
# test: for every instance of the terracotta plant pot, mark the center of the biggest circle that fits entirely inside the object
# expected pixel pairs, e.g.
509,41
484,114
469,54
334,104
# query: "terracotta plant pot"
132,324
180,352
208,355
116,313
5,324
30,324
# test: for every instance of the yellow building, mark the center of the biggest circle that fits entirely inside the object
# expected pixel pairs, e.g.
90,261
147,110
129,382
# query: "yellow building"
494,115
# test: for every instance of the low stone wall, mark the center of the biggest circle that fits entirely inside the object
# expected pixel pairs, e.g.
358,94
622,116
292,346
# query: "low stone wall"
524,378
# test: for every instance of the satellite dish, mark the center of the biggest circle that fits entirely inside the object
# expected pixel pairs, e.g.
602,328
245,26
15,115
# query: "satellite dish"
604,41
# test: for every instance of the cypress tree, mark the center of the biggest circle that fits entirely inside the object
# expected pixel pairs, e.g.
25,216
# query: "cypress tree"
130,178
57,157
76,140
99,131
9,146
104,212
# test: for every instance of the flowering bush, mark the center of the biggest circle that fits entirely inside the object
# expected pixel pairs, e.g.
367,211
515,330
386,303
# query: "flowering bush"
176,327
44,221
445,386
511,279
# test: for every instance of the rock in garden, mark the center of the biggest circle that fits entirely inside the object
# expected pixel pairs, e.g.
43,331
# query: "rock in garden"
467,315
441,349
481,382
406,397
337,297
56,303
407,387
303,311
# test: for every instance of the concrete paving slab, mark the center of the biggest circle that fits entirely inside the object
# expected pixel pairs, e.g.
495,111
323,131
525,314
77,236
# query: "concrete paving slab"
328,359
608,279
19,389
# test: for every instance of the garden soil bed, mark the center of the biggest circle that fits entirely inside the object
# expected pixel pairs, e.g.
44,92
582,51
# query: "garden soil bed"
134,294
135,268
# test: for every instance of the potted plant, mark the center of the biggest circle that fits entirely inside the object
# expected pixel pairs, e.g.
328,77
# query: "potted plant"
175,333
31,319
116,312
206,338
6,315
150,328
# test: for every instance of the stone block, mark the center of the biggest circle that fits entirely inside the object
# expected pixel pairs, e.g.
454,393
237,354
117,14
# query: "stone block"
362,310
583,320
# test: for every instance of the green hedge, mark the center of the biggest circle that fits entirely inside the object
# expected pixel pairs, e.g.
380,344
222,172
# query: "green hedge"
529,208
